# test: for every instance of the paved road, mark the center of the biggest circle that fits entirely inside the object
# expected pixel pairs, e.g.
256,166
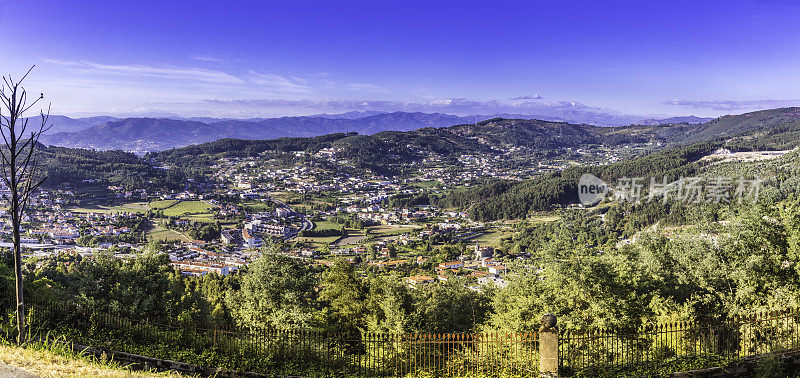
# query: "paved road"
8,371
307,224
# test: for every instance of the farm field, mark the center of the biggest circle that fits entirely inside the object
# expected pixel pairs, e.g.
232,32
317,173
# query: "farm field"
179,208
319,241
491,238
160,205
326,225
257,206
159,233
352,239
205,217
426,184
133,207
354,236
384,230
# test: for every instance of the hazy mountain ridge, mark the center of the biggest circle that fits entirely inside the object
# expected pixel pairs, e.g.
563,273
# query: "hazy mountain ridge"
781,126
671,120
771,129
150,134
63,124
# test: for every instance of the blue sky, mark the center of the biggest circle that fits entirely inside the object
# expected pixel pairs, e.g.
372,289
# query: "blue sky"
259,58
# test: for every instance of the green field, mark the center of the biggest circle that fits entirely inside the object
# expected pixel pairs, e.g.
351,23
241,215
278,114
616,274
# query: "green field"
162,234
205,217
257,206
492,238
320,241
160,205
133,207
426,184
389,230
326,225
179,208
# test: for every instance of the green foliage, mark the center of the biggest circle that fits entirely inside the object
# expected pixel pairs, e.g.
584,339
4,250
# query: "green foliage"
200,156
344,295
713,273
514,200
770,367
186,208
277,292
73,165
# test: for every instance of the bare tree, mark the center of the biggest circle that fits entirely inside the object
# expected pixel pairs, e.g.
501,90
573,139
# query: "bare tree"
19,169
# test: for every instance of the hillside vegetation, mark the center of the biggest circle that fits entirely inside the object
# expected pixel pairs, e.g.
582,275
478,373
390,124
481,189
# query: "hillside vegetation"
510,200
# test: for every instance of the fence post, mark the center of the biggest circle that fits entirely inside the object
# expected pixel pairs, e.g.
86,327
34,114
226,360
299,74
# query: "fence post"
548,346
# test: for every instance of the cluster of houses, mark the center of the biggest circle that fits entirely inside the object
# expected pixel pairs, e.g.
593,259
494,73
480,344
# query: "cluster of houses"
65,227
378,214
481,266
193,259
282,223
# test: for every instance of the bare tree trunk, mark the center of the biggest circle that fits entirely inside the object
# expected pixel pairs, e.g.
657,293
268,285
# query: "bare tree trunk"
16,219
19,173
21,335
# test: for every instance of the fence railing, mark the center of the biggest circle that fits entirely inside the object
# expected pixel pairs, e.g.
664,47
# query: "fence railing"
678,346
651,350
296,352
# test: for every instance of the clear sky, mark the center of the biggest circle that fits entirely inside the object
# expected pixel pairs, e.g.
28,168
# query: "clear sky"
266,58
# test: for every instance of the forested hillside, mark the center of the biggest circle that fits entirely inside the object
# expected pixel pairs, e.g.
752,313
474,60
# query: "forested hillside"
776,129
507,200
75,165
384,152
381,151
201,156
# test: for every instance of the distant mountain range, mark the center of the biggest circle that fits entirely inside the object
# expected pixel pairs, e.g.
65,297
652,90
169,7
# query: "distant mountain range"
768,129
63,124
157,134
688,119
774,129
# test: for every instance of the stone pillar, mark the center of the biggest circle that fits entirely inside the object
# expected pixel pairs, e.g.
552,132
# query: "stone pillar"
548,346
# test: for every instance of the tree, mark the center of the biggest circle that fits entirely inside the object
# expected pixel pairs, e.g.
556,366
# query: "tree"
345,295
19,169
276,292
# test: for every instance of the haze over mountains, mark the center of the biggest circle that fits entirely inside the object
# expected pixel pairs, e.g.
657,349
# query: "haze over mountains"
775,127
391,151
63,124
157,134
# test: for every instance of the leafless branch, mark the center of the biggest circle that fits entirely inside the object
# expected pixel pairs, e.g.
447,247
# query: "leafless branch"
19,168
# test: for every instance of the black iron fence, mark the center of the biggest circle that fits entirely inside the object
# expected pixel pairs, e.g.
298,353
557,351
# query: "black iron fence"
658,349
677,346
295,352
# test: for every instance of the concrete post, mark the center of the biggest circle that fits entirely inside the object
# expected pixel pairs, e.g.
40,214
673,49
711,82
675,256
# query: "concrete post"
548,346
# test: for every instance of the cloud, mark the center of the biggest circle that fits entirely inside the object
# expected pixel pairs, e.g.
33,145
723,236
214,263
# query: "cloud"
208,59
733,104
169,72
528,97
451,105
569,111
366,88
276,81
252,82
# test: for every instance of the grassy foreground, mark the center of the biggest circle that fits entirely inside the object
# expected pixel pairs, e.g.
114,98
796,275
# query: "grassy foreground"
56,359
